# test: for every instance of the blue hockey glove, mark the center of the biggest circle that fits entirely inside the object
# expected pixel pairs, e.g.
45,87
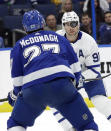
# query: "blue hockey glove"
12,98
12,95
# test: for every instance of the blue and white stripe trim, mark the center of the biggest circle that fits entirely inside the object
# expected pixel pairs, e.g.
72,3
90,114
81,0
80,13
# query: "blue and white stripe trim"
19,81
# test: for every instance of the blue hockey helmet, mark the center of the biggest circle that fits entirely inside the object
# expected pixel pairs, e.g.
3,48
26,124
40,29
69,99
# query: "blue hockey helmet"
33,20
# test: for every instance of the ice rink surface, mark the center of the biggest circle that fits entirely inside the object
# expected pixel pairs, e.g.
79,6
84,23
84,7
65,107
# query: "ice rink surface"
47,122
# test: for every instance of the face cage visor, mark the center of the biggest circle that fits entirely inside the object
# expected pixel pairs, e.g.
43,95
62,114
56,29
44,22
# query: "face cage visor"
72,24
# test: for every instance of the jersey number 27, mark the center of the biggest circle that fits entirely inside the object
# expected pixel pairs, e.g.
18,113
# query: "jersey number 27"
35,51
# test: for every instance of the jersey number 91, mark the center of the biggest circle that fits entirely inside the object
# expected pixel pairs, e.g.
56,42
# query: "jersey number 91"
96,57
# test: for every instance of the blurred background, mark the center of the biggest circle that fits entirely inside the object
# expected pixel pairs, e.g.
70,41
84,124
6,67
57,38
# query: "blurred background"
95,17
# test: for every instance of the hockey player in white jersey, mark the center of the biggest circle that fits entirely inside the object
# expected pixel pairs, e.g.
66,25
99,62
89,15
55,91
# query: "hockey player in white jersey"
43,67
87,51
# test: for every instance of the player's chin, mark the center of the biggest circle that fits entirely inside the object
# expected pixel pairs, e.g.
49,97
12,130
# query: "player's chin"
72,33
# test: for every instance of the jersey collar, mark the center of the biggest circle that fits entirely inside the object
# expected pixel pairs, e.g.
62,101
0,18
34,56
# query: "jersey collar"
79,37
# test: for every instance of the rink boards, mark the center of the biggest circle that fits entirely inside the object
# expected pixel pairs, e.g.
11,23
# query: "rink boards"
6,82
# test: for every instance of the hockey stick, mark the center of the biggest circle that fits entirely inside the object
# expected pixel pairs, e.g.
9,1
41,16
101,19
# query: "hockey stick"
4,99
100,78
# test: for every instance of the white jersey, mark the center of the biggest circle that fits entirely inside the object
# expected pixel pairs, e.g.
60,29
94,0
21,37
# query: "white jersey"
87,51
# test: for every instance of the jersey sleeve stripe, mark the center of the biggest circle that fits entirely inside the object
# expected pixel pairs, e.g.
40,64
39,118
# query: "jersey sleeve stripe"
92,66
88,74
75,67
18,81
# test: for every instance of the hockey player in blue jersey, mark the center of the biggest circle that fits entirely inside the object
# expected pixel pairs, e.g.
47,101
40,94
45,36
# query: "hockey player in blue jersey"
43,67
87,51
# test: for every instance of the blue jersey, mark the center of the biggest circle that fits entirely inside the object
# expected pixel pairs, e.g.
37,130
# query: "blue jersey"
42,56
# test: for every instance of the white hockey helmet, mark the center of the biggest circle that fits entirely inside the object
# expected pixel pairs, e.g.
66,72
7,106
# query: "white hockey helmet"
70,16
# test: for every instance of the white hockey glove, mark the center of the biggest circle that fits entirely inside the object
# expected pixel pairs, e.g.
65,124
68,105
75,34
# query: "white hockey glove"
80,83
